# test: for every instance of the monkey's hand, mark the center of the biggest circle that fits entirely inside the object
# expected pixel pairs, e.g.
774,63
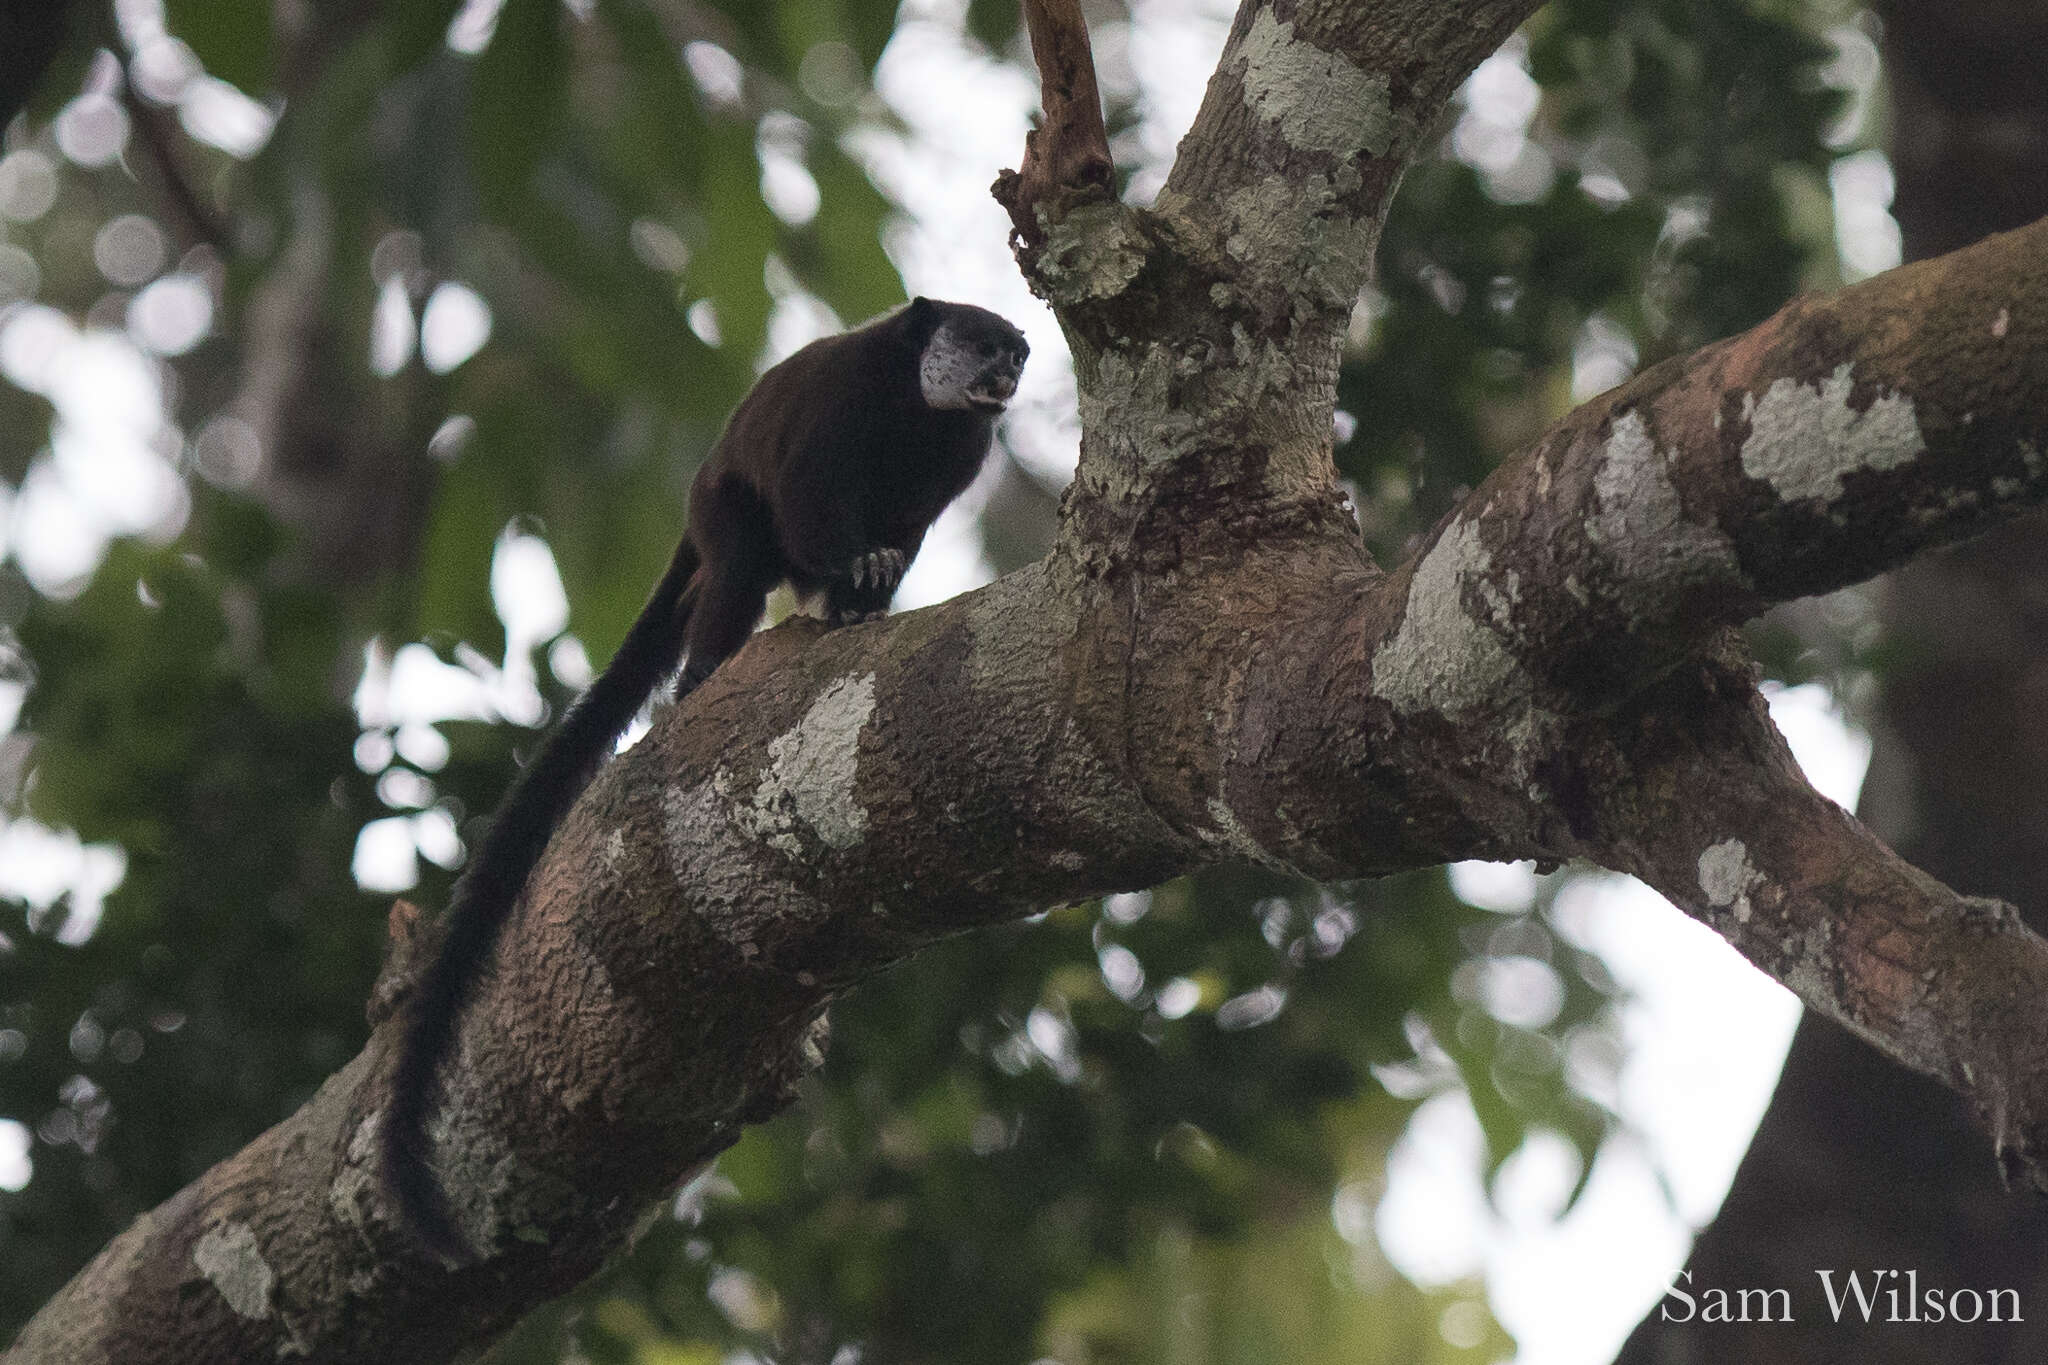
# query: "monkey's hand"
878,570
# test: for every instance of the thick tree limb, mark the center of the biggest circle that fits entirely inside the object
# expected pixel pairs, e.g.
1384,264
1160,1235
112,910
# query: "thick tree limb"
1833,441
1857,1162
1330,94
1837,439
1208,667
1719,819
1219,373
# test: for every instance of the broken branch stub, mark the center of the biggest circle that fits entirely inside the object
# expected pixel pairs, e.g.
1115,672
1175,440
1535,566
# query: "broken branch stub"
1066,158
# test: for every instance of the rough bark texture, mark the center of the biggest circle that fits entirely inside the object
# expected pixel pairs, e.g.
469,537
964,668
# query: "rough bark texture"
1207,667
1859,1164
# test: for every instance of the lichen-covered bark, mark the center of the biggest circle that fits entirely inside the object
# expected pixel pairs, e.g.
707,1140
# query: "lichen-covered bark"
1718,818
1208,667
1857,1162
1836,439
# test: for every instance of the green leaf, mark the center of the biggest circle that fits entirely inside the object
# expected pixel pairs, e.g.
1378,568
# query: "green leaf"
232,37
515,104
654,134
995,22
728,270
839,254
46,61
418,29
869,26
760,36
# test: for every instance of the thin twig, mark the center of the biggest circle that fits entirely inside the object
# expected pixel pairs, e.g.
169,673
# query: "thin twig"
198,222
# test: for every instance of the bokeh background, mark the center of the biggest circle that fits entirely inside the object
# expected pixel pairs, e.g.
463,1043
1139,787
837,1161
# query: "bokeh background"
354,361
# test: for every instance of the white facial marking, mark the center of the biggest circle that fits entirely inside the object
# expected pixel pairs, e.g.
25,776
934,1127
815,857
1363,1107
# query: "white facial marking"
948,369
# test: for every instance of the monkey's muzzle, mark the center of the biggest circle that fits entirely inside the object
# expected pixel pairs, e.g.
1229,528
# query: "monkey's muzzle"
993,392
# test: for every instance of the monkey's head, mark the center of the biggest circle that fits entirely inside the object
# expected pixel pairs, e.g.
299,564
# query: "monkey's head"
971,357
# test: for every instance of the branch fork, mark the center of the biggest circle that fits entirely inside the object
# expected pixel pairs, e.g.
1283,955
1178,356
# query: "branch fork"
1207,667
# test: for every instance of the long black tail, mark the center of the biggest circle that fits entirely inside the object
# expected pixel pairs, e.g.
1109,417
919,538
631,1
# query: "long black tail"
490,886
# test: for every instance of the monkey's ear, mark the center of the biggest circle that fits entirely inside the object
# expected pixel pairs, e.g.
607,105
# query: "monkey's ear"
919,319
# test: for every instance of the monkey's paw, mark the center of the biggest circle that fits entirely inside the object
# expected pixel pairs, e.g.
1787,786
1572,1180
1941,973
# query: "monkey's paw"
881,568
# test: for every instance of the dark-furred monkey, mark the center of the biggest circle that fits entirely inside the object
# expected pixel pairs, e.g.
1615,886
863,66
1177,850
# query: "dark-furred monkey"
827,477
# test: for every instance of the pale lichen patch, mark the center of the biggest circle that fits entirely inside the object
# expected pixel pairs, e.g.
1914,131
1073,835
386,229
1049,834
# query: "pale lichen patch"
1126,409
721,794
1303,227
1231,835
1525,734
812,767
712,835
227,1255
489,1188
1091,252
1803,439
1441,657
2000,323
353,1181
1641,523
1315,99
1727,878
1146,406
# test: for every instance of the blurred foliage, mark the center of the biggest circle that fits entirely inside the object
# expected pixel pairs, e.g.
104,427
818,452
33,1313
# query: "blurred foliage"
1149,1130
1671,188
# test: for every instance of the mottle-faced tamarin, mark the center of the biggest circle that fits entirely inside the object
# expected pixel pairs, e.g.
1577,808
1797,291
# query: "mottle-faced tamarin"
827,477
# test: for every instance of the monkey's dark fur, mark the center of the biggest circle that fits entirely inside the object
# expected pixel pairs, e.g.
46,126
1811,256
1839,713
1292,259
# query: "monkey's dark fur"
827,477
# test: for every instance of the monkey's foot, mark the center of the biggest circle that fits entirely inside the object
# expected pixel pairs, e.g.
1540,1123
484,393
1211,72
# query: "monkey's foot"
854,616
880,569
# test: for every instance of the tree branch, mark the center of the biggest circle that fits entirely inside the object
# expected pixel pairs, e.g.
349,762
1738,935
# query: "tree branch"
1066,161
1214,384
1207,668
830,802
1311,115
1835,440
1719,819
194,216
